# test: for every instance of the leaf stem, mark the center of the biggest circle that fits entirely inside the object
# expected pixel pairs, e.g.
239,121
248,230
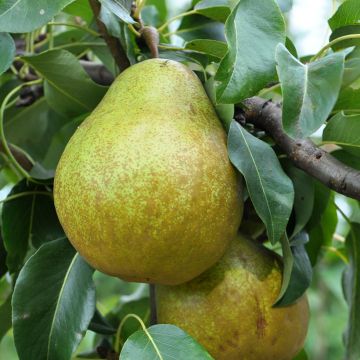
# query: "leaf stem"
118,334
179,16
26,193
88,44
331,43
133,30
3,141
83,28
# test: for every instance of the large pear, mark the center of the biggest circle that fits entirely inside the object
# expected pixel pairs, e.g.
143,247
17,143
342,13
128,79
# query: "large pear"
228,309
144,189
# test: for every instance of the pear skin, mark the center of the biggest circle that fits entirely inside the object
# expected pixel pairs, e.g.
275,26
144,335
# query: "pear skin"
144,189
228,308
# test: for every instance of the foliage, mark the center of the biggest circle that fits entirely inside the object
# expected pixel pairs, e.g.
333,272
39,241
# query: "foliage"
238,49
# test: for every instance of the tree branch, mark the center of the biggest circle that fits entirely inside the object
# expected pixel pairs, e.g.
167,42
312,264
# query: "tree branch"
113,43
316,162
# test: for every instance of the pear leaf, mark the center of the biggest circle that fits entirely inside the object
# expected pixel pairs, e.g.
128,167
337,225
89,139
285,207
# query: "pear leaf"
7,51
309,91
162,342
270,189
253,30
54,291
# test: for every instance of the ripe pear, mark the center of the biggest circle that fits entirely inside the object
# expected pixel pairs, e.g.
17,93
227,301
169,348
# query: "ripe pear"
228,308
144,189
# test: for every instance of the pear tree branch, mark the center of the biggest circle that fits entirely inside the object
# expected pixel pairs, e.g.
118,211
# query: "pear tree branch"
315,161
112,42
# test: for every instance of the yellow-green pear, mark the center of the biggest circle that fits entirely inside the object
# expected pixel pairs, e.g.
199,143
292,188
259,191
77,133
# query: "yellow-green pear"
144,189
228,308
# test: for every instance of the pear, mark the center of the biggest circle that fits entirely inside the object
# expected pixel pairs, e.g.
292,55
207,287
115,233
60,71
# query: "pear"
144,189
229,308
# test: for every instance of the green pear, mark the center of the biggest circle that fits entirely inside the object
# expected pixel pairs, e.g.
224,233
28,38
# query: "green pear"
144,189
228,308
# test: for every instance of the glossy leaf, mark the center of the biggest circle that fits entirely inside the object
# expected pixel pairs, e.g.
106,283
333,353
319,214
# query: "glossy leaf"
301,273
351,73
285,5
28,220
80,8
352,290
342,31
288,264
349,99
68,90
211,47
348,13
344,130
170,341
100,325
304,197
214,9
347,158
309,91
120,8
253,30
7,51
270,189
18,16
3,255
54,292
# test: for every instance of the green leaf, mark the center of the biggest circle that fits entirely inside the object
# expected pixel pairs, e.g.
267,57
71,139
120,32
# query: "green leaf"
68,89
170,341
285,5
100,325
224,111
351,73
111,21
349,99
120,8
199,27
347,158
19,16
32,128
309,91
211,47
344,130
304,197
80,8
253,30
3,255
7,51
352,290
5,317
348,13
270,189
301,272
214,9
53,303
28,220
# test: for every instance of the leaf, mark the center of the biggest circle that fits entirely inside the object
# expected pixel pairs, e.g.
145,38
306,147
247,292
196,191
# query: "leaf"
68,88
309,91
285,5
352,289
7,51
349,99
211,47
301,272
214,9
198,27
270,189
32,128
170,341
351,73
224,111
304,197
253,30
111,21
344,130
120,8
80,8
347,158
3,255
20,16
348,13
5,317
28,220
100,325
53,303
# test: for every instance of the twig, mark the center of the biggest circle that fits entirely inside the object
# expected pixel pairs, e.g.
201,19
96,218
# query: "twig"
113,43
316,162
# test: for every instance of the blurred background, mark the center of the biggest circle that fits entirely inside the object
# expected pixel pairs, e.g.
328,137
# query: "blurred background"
308,28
